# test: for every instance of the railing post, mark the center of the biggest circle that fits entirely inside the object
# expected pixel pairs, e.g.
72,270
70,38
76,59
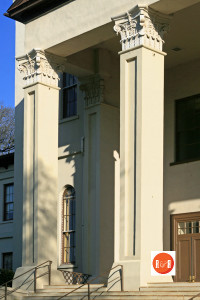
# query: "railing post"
122,278
88,291
35,280
6,288
50,272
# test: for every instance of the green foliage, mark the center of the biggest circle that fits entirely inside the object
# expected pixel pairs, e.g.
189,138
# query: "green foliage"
7,129
6,275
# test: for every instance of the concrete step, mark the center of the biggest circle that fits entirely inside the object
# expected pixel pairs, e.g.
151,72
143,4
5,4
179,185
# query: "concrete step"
171,289
67,290
72,286
118,294
174,284
118,297
164,291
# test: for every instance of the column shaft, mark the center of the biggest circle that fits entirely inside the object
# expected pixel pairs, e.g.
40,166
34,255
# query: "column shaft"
141,140
142,156
40,173
40,165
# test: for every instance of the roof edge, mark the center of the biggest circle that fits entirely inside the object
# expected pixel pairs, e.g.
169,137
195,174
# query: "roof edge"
31,9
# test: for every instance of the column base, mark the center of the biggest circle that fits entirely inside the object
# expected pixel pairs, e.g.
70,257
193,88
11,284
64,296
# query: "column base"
127,278
131,279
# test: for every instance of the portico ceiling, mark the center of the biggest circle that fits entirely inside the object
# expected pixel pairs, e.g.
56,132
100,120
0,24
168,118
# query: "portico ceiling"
172,6
183,34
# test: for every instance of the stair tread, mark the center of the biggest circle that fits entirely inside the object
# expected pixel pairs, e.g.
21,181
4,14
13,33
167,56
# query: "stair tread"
168,291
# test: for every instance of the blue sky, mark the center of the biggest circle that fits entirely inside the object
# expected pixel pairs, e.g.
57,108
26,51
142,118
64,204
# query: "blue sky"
7,56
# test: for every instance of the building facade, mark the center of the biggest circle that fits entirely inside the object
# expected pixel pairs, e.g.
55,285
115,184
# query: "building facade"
107,136
7,206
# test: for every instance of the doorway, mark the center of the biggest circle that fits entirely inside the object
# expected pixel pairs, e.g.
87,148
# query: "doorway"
186,243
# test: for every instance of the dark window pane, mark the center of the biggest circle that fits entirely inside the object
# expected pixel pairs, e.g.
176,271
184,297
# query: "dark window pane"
8,202
69,95
188,128
7,261
197,105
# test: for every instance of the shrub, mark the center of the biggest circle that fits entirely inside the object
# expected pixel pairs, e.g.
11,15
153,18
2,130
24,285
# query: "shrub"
6,275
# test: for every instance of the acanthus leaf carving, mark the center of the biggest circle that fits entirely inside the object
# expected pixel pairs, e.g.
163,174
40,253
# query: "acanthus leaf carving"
142,26
39,66
93,86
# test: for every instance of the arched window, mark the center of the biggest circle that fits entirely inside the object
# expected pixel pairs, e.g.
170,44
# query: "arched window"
68,227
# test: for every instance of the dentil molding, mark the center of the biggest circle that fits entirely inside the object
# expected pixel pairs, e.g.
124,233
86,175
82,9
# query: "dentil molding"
142,26
39,66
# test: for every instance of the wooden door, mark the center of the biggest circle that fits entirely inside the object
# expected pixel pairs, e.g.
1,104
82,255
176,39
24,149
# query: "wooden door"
186,243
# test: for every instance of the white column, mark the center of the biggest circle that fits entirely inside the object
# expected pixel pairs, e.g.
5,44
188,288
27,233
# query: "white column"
40,161
141,142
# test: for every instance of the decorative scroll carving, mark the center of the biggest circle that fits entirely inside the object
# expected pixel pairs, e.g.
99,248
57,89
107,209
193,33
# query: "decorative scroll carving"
93,87
38,66
142,26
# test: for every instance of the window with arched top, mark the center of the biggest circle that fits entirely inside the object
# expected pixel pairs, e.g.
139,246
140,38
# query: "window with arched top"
68,224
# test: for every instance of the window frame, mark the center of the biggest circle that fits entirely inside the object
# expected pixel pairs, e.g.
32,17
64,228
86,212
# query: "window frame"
176,132
5,204
66,113
67,233
3,261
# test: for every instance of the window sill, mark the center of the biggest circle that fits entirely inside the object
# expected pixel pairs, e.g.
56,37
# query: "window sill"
67,266
184,161
69,119
6,222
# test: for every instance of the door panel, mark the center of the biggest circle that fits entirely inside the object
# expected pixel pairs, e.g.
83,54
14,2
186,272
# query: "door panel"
196,256
183,259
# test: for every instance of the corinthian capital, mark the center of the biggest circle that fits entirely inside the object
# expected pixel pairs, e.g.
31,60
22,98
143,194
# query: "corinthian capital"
93,86
142,26
38,66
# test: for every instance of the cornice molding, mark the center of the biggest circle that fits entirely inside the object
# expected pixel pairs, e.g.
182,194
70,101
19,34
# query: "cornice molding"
93,86
142,26
26,10
40,66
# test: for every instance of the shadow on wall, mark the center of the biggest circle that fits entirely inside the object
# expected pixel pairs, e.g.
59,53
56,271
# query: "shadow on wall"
75,160
18,187
87,211
40,218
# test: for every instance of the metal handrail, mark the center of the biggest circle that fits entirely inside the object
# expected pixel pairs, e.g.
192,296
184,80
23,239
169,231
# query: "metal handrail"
47,263
90,281
194,297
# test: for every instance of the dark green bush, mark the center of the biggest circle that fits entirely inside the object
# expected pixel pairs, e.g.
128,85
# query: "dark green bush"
6,275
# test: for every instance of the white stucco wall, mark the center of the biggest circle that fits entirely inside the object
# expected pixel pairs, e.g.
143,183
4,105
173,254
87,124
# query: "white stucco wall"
70,170
74,167
181,181
73,20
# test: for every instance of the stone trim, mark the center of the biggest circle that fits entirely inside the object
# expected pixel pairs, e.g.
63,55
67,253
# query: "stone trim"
93,86
38,66
142,26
